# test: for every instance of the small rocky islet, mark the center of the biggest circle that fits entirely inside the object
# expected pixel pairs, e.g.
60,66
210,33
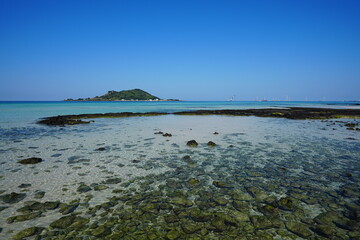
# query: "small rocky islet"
211,191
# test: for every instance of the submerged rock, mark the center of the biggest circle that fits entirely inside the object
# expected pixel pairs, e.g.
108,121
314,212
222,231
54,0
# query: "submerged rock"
83,188
221,184
100,149
12,197
112,181
39,194
63,222
22,218
299,229
192,143
32,160
28,232
193,181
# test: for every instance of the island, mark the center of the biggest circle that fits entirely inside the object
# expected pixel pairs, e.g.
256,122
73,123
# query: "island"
125,95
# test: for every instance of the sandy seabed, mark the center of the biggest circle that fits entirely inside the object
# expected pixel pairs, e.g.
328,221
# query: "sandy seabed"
116,179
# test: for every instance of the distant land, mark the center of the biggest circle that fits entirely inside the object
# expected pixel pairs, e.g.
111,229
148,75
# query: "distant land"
125,95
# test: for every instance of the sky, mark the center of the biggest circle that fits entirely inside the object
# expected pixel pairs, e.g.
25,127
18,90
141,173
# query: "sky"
190,50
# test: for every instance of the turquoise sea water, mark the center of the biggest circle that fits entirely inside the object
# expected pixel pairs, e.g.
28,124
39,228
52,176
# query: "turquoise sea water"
266,178
12,113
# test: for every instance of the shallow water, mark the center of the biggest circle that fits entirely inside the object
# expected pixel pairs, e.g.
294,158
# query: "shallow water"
265,179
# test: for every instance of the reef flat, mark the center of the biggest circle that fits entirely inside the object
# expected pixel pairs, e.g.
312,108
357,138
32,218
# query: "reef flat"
297,113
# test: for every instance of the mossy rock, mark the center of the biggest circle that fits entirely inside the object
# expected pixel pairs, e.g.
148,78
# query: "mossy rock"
173,234
182,201
100,187
12,197
112,181
263,222
28,232
211,144
192,143
221,184
83,188
269,210
299,229
286,203
63,222
190,227
39,194
193,181
68,208
198,215
324,230
80,222
25,217
101,231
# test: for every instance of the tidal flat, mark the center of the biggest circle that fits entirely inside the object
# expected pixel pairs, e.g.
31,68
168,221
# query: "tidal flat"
138,178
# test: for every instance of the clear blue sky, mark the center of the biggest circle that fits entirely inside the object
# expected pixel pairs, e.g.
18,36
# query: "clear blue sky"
192,50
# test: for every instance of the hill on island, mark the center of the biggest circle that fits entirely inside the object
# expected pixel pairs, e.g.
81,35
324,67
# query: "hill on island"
125,95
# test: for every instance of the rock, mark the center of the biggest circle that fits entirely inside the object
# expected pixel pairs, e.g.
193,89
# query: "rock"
28,232
167,135
182,201
326,218
197,215
159,132
83,188
190,227
193,181
100,149
269,210
22,218
240,205
298,228
221,184
68,208
257,193
101,231
80,222
192,143
215,133
50,205
173,234
63,222
324,230
100,187
32,160
211,144
171,218
112,181
263,222
12,197
286,203
24,185
39,194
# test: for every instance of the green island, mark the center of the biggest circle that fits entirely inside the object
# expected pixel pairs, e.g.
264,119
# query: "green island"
125,95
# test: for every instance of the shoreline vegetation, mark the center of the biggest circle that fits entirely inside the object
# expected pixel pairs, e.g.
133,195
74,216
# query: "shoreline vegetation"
296,113
125,95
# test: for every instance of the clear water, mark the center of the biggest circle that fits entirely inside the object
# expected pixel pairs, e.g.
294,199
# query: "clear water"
303,172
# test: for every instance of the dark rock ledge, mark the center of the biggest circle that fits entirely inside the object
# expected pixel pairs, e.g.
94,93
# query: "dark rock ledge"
290,113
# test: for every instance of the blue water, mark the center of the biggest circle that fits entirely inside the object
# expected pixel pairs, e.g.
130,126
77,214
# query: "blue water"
314,163
20,113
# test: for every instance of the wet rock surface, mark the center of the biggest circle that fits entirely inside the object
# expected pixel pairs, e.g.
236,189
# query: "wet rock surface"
290,113
33,160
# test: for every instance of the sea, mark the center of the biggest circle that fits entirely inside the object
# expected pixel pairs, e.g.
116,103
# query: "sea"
137,178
